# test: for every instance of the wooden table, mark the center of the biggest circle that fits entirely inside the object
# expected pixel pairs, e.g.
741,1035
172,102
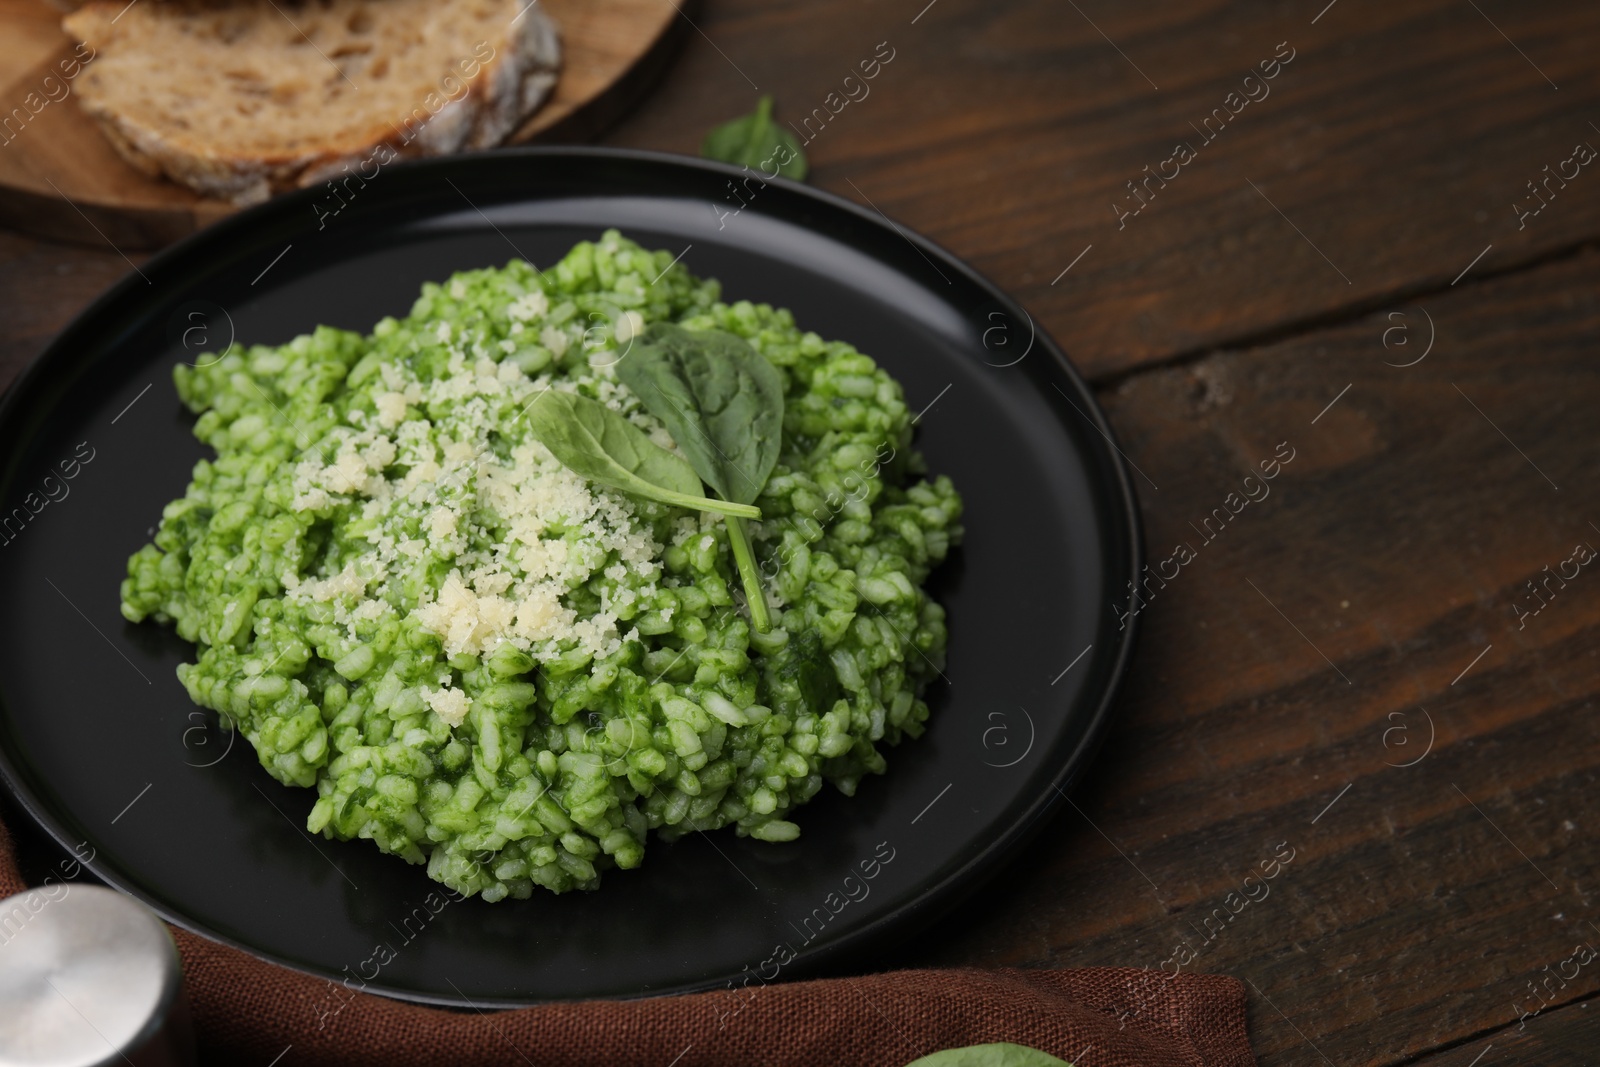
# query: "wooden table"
1352,263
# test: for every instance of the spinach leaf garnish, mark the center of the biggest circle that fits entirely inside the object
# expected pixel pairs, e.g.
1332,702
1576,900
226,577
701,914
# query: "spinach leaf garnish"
719,398
812,673
722,402
1001,1054
592,440
756,141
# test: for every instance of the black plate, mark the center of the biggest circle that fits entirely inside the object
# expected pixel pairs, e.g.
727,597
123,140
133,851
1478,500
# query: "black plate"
100,743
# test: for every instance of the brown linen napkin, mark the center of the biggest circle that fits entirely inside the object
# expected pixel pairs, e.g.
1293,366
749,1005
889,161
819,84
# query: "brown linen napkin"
250,1012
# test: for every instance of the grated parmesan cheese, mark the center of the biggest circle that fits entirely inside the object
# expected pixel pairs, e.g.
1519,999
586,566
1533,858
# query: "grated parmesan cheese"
391,409
529,306
520,532
556,341
451,705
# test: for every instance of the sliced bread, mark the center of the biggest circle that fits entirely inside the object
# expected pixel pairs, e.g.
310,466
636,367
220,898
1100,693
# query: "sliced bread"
242,98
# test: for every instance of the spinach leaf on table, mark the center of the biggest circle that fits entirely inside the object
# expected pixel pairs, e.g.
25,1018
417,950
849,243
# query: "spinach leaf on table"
592,440
722,402
756,141
1002,1054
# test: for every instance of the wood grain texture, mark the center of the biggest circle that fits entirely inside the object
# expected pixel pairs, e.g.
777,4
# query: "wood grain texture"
1396,141
1301,655
42,286
1567,1037
59,177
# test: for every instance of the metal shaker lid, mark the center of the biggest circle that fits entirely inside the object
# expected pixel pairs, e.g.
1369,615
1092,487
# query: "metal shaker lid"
88,976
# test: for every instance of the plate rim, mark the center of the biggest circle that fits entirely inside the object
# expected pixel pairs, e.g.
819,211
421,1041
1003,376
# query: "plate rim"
930,902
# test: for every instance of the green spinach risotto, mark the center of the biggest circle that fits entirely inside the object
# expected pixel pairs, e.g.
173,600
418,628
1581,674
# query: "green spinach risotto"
502,598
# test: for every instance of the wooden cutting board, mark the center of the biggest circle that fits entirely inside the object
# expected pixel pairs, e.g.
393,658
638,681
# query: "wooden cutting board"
60,178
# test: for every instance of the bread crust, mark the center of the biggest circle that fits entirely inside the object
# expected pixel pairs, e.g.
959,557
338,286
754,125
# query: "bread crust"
506,89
